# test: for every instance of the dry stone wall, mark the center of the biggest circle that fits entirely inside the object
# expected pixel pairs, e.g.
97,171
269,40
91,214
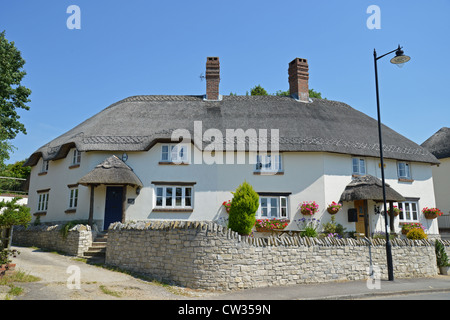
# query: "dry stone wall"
78,239
208,256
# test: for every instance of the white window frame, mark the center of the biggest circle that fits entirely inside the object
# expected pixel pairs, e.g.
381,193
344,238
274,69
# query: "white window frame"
407,207
269,163
76,158
165,195
170,153
358,166
44,167
281,203
43,201
73,197
406,168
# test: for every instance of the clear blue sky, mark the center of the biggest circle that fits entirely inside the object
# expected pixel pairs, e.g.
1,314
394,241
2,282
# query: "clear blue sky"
139,47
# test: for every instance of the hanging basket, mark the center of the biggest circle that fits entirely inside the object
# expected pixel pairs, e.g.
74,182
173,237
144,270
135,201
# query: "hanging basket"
430,215
333,210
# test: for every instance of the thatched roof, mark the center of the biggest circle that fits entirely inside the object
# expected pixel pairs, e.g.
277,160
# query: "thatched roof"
137,123
369,188
439,143
111,171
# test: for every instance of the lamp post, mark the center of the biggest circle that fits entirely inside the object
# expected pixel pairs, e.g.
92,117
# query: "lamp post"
398,60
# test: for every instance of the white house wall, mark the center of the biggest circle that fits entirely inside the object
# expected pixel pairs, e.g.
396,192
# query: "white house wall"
307,176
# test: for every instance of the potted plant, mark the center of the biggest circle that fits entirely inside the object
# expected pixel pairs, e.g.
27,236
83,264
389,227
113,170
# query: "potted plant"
396,211
268,225
308,208
441,257
407,226
5,261
334,207
227,205
431,213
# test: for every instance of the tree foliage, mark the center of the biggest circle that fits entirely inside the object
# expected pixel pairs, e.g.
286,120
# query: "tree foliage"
258,91
13,95
14,214
244,204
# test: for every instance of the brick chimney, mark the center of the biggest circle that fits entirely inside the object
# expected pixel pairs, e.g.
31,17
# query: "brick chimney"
298,79
212,78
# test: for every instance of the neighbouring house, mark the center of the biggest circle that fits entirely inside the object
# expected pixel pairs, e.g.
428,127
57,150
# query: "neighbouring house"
439,145
181,156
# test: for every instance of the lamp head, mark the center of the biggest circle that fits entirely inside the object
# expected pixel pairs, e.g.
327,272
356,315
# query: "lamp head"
400,58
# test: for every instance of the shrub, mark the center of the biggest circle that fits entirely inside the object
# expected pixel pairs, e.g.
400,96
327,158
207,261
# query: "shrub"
441,254
243,207
416,234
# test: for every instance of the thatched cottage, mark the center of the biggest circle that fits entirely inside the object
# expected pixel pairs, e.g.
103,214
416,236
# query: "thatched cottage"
439,145
180,157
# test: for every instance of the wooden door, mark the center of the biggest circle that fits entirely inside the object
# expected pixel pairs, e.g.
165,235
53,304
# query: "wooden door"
362,223
113,206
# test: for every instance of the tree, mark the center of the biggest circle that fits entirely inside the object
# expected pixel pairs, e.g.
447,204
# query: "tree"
12,214
13,95
243,207
258,91
312,94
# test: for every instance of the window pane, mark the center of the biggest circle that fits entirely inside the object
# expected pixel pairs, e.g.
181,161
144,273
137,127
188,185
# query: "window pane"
159,192
400,206
168,197
188,192
362,165
178,197
414,210
165,153
355,165
407,211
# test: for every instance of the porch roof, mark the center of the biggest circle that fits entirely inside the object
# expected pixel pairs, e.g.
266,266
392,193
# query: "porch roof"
369,187
111,171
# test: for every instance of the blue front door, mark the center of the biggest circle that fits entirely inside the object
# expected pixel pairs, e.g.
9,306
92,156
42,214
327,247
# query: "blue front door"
113,206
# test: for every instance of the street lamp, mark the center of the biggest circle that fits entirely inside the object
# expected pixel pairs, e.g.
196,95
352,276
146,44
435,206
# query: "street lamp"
398,60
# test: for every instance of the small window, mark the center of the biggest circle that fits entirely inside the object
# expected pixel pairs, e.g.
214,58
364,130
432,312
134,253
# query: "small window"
272,207
76,159
409,211
43,202
44,166
173,197
175,153
404,171
268,163
359,166
73,198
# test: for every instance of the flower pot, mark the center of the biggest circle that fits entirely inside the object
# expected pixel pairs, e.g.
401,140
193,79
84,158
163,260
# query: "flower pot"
444,270
430,215
332,210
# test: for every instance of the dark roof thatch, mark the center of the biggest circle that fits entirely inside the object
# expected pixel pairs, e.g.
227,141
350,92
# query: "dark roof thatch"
369,188
439,143
137,123
111,171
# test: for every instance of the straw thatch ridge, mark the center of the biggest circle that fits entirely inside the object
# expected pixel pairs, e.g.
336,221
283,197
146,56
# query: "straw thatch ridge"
439,143
111,171
369,188
137,123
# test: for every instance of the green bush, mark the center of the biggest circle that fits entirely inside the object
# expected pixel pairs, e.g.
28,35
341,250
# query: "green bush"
416,234
243,207
441,254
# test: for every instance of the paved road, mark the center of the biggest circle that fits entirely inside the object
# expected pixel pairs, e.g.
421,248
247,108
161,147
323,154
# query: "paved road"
59,275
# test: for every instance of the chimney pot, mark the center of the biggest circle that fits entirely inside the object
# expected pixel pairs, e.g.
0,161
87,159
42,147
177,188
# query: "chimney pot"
298,79
212,78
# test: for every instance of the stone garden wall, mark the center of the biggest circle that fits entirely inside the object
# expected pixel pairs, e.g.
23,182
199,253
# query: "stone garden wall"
77,241
208,256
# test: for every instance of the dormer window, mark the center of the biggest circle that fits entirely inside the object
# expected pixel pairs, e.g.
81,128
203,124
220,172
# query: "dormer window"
268,163
44,168
76,158
174,153
359,166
